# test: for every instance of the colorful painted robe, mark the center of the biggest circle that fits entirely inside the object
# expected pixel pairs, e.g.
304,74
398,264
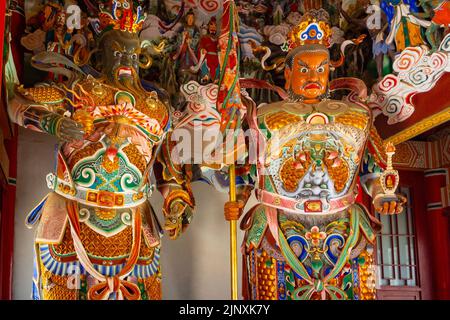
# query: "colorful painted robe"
209,70
97,231
307,239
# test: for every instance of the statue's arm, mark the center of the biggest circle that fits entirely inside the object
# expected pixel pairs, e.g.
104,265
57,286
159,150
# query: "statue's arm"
247,172
173,180
244,187
40,109
373,164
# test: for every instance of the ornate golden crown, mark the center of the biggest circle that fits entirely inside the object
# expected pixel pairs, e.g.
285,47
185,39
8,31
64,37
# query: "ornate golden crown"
121,16
314,28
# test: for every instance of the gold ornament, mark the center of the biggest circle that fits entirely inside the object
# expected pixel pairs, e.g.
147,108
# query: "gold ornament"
85,118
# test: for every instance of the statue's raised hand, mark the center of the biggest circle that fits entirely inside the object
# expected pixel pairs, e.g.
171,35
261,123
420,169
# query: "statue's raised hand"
69,130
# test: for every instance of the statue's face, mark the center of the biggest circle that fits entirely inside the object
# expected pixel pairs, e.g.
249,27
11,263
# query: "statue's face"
121,56
61,19
190,19
212,28
308,76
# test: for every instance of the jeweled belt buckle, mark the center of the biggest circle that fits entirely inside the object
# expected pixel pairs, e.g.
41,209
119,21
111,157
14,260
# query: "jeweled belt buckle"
105,198
313,206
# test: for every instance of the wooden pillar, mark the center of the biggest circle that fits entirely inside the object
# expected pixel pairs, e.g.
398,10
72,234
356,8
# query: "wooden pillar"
439,234
7,221
16,19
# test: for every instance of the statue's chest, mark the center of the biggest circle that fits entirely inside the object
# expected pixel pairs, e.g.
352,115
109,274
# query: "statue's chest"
314,151
141,110
114,164
128,130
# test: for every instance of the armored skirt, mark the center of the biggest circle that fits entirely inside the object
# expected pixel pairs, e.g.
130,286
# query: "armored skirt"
84,252
289,256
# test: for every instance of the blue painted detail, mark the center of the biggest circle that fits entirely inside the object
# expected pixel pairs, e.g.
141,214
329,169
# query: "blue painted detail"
297,239
355,277
75,267
145,271
35,214
56,267
253,273
309,270
388,7
281,281
331,238
35,292
313,32
35,295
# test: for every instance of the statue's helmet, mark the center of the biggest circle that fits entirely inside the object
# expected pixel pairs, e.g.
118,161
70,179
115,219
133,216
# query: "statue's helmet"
308,60
119,41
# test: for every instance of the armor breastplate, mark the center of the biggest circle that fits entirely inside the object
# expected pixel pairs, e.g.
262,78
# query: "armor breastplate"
111,172
313,153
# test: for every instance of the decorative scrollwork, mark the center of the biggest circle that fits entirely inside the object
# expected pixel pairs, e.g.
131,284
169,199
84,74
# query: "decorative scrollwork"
418,71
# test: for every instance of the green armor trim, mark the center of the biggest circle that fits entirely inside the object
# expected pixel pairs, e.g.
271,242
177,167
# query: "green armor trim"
258,229
317,285
348,279
50,123
365,226
290,284
83,288
141,287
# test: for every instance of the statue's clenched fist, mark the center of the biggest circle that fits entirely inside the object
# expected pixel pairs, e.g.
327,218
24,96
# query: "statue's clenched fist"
233,210
389,205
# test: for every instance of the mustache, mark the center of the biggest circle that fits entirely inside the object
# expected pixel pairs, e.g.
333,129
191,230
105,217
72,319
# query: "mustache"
312,83
294,97
130,84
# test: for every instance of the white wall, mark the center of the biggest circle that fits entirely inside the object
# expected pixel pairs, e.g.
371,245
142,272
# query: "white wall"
196,266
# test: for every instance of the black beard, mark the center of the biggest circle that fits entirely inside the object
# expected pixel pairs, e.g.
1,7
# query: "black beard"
294,97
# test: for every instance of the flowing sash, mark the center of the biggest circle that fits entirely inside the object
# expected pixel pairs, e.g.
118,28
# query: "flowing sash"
108,285
321,286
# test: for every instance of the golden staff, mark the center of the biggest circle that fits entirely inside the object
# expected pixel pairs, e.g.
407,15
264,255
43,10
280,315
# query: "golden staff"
233,237
228,104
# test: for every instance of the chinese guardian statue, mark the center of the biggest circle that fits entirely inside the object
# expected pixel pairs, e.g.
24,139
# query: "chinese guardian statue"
97,235
308,238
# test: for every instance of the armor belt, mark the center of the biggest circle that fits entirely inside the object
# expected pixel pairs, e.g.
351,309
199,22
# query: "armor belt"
304,206
98,198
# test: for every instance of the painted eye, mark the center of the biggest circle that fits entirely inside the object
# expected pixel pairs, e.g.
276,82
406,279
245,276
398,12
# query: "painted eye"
321,69
134,56
117,54
126,5
303,70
